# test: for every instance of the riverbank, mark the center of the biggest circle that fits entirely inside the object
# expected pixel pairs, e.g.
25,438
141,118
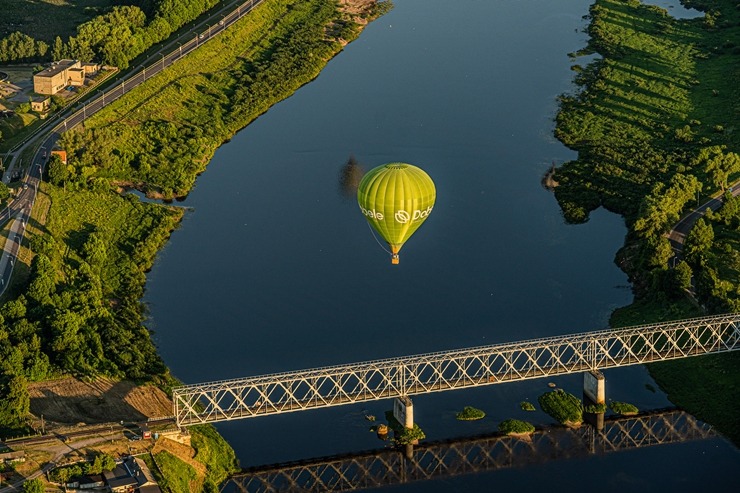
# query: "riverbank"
79,310
164,133
650,124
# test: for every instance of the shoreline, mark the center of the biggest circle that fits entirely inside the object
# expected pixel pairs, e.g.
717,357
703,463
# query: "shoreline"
642,160
220,450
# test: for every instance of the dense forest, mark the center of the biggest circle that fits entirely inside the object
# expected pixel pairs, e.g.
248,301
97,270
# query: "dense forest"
114,37
654,123
81,313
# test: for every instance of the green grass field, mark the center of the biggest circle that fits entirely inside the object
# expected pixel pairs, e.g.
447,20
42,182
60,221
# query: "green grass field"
46,19
164,132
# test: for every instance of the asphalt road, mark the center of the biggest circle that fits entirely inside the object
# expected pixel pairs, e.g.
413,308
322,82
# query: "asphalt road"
677,235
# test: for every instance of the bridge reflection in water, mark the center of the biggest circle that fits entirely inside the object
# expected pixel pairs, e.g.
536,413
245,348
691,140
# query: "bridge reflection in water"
468,455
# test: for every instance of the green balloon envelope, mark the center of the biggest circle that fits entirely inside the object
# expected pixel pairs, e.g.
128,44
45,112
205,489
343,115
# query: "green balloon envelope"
396,199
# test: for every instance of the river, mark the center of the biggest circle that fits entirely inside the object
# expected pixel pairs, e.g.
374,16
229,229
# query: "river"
274,268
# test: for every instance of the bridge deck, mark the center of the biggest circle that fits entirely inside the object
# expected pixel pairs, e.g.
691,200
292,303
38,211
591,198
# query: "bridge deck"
449,370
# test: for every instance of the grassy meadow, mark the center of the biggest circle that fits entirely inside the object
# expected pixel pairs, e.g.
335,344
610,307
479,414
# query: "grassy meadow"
163,134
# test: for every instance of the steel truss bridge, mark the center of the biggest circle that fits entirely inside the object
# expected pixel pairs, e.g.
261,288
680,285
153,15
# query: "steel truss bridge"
456,369
472,455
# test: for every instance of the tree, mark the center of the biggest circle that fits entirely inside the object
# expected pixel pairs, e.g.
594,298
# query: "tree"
33,486
682,276
65,329
15,403
43,244
4,192
43,279
699,241
108,463
14,310
94,251
94,467
102,462
59,51
58,171
718,164
41,48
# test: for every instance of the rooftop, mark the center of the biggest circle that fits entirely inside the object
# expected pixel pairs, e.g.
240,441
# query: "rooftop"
56,67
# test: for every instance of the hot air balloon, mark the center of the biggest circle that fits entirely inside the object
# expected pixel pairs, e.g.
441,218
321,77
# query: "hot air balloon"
396,199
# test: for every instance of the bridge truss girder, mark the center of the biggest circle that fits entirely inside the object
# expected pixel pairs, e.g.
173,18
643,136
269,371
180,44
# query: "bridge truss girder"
449,370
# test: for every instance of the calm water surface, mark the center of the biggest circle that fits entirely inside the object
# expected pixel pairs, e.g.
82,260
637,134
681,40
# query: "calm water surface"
275,269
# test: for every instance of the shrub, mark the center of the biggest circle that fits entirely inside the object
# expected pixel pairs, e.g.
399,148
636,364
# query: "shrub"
527,406
623,408
510,426
409,435
403,435
595,408
562,406
470,414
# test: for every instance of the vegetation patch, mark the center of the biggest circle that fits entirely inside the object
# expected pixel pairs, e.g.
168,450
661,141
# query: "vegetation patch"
409,435
85,284
470,414
516,427
707,387
562,406
155,136
599,408
35,485
654,122
47,19
112,32
401,434
526,406
623,408
215,453
177,476
98,465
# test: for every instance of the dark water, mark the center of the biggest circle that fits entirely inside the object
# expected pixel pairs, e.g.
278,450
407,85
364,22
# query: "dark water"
275,269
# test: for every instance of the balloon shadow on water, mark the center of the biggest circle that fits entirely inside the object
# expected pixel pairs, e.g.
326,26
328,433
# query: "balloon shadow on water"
350,175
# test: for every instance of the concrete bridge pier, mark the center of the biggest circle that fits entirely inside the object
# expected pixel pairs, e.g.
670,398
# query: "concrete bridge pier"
594,392
403,411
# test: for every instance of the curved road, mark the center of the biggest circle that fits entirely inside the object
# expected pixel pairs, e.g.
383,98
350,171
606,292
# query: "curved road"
677,235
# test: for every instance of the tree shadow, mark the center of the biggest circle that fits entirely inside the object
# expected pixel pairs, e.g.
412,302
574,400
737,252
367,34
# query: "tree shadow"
90,403
75,239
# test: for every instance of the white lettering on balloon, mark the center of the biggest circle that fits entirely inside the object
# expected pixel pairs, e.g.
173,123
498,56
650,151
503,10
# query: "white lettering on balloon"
401,215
